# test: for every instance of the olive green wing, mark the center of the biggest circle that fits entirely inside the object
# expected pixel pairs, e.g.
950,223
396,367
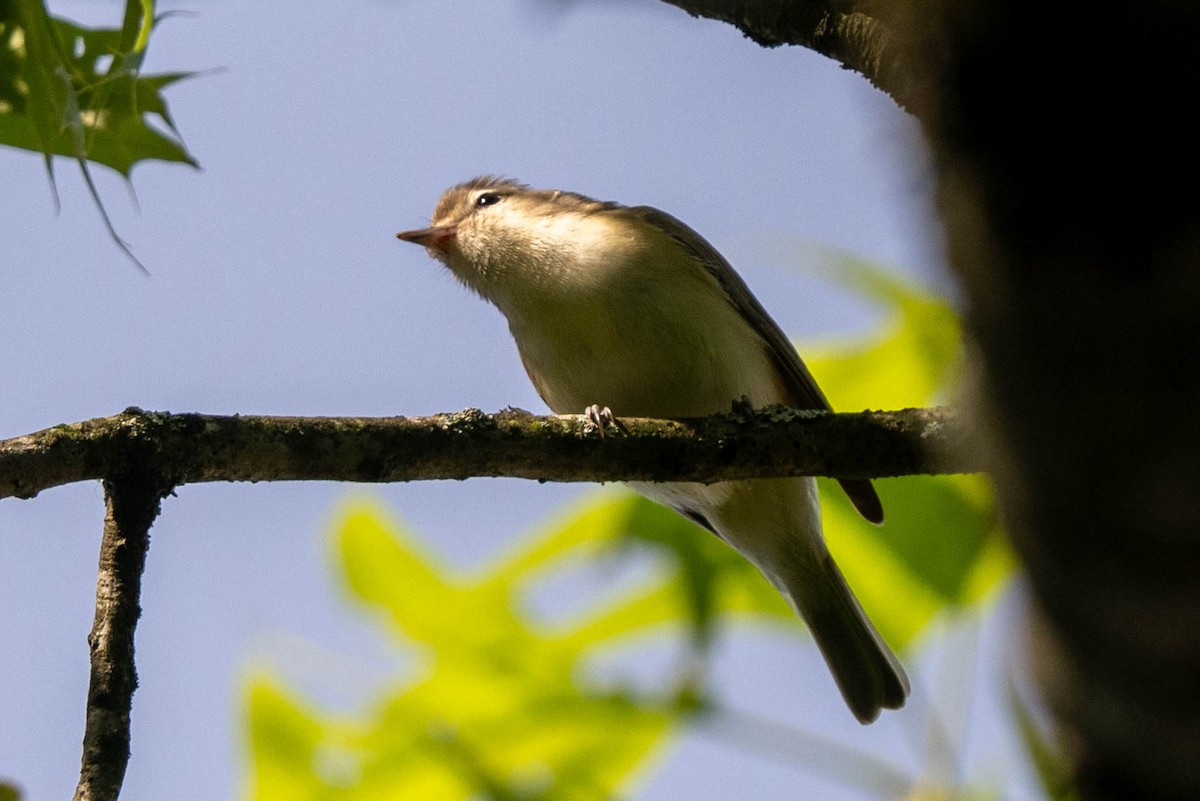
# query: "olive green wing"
795,380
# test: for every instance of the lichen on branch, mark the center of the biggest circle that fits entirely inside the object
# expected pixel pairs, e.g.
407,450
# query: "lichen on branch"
776,441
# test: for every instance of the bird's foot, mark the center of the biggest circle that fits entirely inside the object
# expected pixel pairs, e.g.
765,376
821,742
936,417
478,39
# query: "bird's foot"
599,417
742,406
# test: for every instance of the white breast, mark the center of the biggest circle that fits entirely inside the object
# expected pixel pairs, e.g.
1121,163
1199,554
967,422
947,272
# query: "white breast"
642,334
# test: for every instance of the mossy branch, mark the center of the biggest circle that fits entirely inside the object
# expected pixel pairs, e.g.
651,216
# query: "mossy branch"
142,456
776,441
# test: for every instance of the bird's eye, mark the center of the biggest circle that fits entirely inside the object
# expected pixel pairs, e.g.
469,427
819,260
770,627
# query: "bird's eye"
489,199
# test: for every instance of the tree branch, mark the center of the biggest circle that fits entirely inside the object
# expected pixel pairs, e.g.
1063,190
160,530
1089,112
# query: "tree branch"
143,456
856,33
132,503
777,441
1081,294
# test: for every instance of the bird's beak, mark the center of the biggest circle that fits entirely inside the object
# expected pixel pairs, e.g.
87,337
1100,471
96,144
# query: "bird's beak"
437,238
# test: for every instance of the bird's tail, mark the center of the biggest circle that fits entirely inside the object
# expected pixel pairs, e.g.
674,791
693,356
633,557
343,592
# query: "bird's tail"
866,671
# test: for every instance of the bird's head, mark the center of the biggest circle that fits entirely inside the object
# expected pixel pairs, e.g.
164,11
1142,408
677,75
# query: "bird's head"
509,242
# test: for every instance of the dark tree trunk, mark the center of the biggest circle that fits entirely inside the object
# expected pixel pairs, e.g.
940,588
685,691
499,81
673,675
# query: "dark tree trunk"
1066,141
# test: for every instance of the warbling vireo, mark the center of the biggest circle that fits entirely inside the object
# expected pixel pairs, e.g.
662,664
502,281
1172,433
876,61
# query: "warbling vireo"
629,308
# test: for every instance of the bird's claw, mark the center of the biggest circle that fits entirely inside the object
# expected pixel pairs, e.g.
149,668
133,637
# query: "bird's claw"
742,406
600,417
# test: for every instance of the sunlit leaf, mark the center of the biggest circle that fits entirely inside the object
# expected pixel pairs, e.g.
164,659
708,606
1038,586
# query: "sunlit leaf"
633,615
502,710
391,573
283,740
712,577
75,91
506,707
591,528
941,543
913,360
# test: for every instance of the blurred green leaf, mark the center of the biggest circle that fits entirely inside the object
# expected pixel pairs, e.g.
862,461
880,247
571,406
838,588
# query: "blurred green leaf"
588,529
941,544
708,573
710,578
919,562
594,529
283,741
914,359
502,706
501,710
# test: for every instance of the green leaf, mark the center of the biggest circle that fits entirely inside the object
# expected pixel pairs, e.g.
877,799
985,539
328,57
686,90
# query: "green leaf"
283,742
914,360
941,545
707,574
711,577
74,91
41,90
588,529
501,709
502,706
384,567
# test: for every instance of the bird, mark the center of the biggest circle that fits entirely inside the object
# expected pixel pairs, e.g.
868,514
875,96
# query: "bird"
628,307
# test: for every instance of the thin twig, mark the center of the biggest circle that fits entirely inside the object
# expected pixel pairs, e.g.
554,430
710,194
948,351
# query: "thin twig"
131,503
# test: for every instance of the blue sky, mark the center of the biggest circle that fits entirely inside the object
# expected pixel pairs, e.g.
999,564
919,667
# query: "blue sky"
277,287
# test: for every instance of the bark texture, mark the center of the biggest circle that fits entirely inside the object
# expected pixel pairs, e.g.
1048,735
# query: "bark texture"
777,441
856,34
1064,144
1065,138
131,505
